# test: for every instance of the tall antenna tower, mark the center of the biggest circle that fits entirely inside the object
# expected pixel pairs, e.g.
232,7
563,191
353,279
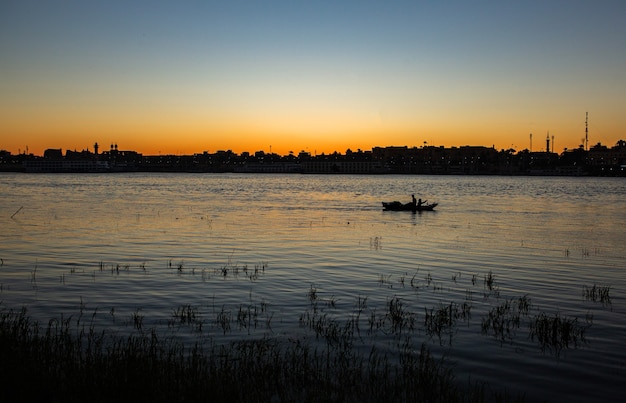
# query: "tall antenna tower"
586,131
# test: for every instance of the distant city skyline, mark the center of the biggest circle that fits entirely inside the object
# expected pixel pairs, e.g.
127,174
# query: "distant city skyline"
547,145
539,146
183,78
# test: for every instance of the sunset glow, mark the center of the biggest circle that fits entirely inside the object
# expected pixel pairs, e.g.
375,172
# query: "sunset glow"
321,77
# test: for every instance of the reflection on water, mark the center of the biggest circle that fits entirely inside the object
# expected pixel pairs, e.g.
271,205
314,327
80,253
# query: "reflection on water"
252,251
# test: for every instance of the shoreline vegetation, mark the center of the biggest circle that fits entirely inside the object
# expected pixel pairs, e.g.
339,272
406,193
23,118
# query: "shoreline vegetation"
69,361
76,359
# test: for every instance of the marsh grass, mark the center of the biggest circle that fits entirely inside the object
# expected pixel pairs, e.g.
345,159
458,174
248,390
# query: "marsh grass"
398,318
137,318
490,286
186,315
556,332
443,320
223,319
597,293
66,362
327,358
503,320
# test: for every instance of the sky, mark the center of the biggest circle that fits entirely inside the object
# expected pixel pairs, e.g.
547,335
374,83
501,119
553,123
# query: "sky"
183,77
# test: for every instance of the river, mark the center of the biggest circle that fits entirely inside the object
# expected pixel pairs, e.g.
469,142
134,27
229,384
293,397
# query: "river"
280,247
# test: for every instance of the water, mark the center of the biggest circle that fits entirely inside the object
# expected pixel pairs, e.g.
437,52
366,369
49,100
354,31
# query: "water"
143,245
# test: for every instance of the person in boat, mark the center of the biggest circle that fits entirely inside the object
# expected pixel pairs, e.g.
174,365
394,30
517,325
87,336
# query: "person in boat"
414,201
419,203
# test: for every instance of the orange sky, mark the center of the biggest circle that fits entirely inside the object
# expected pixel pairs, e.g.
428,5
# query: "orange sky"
163,133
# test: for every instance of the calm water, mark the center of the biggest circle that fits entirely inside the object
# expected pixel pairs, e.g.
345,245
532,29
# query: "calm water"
146,245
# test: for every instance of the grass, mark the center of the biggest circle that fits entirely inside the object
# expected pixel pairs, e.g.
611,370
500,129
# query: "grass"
556,332
502,321
186,315
327,357
67,362
443,320
597,293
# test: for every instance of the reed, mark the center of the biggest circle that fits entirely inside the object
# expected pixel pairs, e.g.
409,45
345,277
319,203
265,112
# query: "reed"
38,362
223,319
147,366
503,320
415,281
312,294
490,286
398,318
33,274
597,293
444,319
137,318
186,315
267,366
556,332
248,317
385,280
376,243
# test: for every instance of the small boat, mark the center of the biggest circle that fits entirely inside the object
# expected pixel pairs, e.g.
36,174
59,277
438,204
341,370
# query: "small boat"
397,206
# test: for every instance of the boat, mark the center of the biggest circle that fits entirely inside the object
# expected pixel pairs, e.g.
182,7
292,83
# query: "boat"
398,206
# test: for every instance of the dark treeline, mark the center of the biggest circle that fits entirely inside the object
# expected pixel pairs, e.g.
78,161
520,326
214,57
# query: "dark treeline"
598,160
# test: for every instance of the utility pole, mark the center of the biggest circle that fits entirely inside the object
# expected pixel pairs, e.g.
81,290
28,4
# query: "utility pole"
586,131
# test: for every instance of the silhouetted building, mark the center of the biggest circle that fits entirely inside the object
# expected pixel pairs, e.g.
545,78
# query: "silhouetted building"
53,154
464,160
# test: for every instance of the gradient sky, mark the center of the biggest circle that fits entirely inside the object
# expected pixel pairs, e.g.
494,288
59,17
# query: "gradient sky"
192,76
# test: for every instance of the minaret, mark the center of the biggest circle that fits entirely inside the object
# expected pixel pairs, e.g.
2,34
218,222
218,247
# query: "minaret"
531,142
548,142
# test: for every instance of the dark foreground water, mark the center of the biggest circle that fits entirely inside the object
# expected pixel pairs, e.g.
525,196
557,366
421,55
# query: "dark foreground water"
269,255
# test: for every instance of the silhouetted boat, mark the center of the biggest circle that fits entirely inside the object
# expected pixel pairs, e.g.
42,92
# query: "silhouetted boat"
397,206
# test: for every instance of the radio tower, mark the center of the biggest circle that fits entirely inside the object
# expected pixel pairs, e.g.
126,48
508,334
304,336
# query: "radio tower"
586,131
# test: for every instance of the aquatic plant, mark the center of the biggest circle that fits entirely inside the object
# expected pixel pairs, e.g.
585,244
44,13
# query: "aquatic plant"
150,367
490,287
444,318
312,294
330,333
223,319
385,280
186,315
557,332
502,321
597,293
137,318
248,317
376,243
414,281
398,318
